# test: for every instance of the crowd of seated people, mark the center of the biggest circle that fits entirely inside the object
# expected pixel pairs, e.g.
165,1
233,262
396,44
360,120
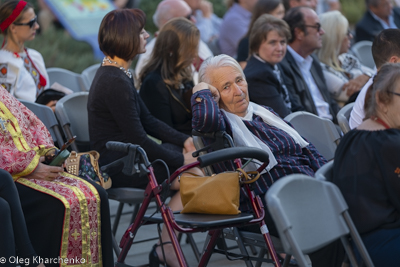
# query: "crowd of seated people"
295,62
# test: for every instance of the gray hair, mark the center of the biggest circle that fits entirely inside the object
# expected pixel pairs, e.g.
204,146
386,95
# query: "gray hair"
385,82
215,63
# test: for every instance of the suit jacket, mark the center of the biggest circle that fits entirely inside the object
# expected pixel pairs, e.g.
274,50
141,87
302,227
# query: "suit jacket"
368,27
265,89
295,79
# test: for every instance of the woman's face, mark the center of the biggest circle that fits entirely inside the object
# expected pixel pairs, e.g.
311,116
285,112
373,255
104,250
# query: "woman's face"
232,88
393,109
278,12
143,37
23,33
346,43
273,49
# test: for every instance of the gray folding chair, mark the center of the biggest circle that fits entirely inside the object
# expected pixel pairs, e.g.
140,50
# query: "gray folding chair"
88,75
309,214
67,78
46,115
362,50
72,113
322,133
325,173
343,117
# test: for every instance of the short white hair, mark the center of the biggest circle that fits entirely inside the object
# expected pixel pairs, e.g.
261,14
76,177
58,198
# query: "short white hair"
218,62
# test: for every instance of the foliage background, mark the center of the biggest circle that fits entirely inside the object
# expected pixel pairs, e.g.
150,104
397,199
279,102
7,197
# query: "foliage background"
60,50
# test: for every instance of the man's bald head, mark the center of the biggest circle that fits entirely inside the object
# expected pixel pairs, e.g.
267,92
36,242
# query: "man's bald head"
169,9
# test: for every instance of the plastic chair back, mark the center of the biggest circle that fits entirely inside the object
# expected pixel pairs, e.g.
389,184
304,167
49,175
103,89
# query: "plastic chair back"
325,173
322,133
46,115
309,214
343,117
362,50
67,78
88,75
71,111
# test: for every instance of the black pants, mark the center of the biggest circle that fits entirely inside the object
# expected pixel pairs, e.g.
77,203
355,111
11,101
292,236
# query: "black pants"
44,216
13,232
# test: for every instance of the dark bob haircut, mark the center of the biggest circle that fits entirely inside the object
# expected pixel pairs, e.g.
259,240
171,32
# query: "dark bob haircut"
119,33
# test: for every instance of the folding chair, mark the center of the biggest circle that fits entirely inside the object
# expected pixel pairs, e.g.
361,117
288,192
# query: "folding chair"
325,173
362,50
343,117
322,133
88,75
67,78
309,214
46,115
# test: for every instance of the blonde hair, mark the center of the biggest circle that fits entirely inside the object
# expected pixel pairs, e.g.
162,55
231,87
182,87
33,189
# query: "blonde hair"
335,26
175,48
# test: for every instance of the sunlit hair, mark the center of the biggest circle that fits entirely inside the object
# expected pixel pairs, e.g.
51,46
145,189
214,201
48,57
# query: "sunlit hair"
174,51
387,80
335,26
119,33
6,9
263,25
217,62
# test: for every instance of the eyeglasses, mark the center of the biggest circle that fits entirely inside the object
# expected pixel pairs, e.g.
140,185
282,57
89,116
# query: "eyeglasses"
30,23
317,26
189,17
398,94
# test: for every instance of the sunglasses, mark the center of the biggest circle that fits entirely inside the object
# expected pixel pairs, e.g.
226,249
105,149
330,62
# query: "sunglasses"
30,23
317,26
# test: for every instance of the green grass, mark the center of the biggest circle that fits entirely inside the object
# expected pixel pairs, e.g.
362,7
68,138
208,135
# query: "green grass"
61,50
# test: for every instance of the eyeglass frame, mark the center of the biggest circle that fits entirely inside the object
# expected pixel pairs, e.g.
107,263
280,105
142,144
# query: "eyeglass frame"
31,23
317,26
398,94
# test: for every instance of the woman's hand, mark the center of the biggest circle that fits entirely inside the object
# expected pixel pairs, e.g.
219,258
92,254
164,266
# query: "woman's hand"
205,86
355,84
188,145
45,172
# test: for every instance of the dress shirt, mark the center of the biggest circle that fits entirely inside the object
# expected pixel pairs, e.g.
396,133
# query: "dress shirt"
357,114
208,27
234,26
304,65
385,26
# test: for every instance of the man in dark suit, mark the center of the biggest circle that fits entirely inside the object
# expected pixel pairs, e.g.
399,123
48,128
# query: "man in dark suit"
265,79
380,15
302,69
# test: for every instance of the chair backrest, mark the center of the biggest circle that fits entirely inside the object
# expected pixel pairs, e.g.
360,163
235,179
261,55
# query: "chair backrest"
343,117
325,173
46,115
362,50
309,214
67,78
71,111
88,75
322,133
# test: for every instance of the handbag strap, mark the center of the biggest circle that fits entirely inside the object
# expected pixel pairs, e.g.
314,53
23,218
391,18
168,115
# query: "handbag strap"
248,177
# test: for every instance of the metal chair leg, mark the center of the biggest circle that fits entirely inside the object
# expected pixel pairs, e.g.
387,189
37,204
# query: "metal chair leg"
117,218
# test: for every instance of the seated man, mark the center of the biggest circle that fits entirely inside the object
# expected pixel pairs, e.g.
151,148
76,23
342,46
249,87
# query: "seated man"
220,102
380,15
68,218
303,69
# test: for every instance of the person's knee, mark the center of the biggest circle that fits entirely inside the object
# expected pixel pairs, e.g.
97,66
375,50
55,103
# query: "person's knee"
5,211
5,179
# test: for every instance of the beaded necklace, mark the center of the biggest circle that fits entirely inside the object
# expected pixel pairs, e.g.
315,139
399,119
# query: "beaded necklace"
127,72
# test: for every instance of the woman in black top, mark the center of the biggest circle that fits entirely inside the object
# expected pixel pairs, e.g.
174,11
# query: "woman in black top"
367,169
117,113
167,77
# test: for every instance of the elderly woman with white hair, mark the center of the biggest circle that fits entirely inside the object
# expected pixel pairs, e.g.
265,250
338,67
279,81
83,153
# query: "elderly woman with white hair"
344,74
220,102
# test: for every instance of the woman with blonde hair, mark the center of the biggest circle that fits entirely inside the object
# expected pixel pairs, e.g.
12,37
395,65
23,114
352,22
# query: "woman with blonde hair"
344,73
167,77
